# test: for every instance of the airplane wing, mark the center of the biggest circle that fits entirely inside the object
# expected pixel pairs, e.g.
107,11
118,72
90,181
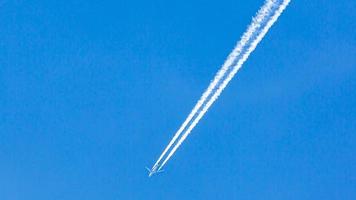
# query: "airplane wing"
148,169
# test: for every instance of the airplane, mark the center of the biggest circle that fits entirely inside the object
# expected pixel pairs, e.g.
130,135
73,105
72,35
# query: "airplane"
154,171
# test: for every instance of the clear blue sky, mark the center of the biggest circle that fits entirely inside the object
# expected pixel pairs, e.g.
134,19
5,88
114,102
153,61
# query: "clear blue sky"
92,91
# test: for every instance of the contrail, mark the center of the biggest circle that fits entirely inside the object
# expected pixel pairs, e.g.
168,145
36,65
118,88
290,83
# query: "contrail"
263,12
259,36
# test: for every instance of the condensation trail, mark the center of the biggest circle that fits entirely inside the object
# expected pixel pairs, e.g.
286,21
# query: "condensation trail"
262,13
277,12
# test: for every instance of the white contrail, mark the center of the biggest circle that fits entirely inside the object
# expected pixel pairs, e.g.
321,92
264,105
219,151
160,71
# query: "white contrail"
262,13
236,67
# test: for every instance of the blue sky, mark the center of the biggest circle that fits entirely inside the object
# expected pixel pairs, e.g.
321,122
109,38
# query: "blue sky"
92,91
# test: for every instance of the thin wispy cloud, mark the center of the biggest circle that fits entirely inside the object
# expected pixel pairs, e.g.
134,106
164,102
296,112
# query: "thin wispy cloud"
219,75
261,23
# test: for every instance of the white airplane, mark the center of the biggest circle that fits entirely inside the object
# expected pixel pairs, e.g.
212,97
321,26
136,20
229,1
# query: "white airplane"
153,171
